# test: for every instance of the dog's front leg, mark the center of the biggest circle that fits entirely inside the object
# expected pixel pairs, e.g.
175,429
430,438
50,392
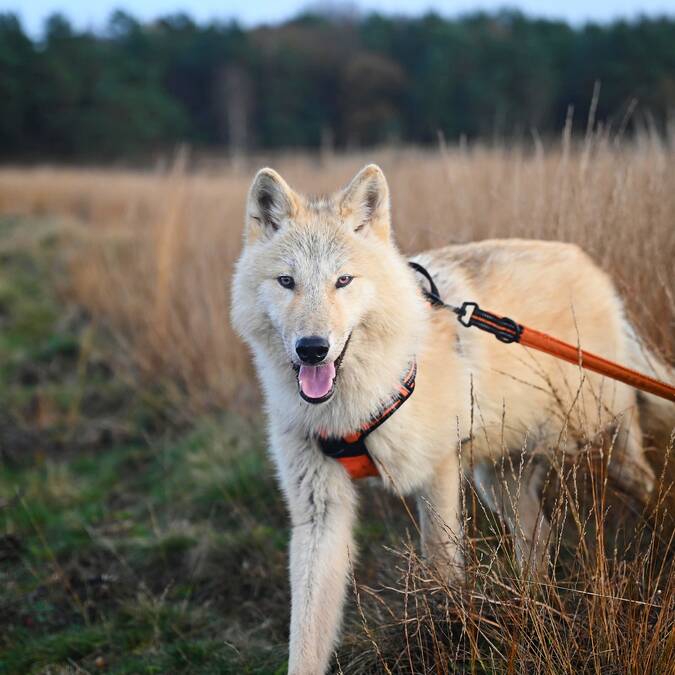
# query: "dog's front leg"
441,521
322,505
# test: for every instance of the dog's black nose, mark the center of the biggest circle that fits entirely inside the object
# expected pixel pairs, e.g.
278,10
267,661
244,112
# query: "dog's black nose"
312,349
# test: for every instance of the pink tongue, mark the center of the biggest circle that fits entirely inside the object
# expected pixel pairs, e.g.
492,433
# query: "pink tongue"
316,381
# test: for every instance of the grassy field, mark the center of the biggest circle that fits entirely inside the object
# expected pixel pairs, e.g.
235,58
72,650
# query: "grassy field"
155,249
141,530
129,541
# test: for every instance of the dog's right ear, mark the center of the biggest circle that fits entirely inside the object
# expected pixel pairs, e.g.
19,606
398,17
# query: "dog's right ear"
271,203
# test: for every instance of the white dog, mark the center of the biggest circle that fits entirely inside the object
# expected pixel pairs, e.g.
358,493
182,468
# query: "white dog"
341,335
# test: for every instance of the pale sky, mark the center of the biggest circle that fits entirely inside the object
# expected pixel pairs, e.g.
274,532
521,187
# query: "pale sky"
93,13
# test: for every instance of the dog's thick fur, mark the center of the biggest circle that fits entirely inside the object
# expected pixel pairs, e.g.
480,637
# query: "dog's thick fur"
514,393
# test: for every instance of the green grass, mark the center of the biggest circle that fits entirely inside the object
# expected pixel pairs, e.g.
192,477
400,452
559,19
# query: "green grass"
120,547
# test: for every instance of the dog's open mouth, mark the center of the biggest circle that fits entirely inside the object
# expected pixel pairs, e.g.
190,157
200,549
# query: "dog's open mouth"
317,383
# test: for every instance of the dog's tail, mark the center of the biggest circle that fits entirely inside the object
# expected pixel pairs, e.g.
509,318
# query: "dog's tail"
657,415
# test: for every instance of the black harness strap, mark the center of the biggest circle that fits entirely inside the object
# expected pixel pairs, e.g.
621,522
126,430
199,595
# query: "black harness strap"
470,314
432,295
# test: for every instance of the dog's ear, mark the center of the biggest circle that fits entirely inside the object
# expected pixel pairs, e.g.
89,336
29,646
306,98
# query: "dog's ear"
271,203
364,203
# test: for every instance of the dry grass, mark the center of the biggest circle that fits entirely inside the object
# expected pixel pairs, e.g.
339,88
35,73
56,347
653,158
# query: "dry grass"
606,604
157,250
152,256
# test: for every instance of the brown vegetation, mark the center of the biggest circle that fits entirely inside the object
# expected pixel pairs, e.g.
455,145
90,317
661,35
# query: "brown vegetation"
151,255
157,248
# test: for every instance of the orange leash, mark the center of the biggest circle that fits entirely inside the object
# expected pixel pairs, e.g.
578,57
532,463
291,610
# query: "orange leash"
506,330
566,352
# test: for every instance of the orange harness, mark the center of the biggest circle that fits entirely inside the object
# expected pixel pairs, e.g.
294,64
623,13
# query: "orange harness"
351,450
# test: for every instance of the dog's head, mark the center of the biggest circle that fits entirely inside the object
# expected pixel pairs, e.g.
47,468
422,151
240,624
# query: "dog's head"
312,272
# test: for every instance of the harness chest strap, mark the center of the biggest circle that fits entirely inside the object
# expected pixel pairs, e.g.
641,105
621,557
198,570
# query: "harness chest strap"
351,450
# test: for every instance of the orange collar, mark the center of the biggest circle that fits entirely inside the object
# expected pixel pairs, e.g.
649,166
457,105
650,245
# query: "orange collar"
350,450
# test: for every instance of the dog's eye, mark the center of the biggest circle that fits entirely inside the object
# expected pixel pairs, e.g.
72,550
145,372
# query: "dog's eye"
343,281
286,281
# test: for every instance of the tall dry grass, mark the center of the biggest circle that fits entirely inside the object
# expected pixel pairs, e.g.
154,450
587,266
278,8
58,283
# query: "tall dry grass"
151,254
155,249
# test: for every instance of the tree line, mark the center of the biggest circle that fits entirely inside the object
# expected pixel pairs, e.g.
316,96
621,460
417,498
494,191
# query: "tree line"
320,80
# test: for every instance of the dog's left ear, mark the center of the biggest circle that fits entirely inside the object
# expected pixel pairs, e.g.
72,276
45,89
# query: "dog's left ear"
364,203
